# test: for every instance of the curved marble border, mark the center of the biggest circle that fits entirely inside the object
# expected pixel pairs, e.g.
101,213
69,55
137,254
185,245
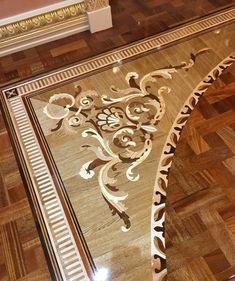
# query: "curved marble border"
159,195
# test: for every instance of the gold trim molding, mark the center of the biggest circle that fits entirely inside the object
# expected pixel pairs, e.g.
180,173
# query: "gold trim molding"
47,19
53,25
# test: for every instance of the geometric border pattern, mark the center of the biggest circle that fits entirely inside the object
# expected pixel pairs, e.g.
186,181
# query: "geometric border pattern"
160,187
58,228
108,59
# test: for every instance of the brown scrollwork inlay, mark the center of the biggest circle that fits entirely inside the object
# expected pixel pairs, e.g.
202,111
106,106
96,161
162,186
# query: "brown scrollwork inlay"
123,126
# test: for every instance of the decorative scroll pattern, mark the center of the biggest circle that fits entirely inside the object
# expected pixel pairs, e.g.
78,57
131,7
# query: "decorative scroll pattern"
42,20
129,121
159,196
92,5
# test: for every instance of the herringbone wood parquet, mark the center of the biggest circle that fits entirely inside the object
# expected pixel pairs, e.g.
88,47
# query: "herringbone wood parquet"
200,219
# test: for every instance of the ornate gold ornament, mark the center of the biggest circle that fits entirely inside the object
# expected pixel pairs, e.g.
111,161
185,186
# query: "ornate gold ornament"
50,18
43,20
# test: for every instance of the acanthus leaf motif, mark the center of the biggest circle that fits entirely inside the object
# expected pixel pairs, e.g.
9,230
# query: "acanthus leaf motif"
124,121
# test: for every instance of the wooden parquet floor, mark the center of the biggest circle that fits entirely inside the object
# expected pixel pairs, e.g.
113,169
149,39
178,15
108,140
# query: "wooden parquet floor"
200,218
21,254
132,20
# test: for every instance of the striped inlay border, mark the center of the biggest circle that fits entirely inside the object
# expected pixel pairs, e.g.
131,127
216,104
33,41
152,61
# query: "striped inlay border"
61,237
127,52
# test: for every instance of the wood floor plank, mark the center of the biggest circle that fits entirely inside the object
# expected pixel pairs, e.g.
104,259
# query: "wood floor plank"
21,253
132,20
210,209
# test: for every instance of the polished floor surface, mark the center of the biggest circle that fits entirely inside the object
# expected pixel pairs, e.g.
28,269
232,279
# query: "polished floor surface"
132,20
21,253
119,250
106,133
200,212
